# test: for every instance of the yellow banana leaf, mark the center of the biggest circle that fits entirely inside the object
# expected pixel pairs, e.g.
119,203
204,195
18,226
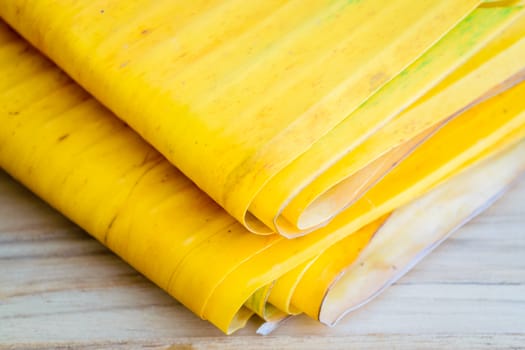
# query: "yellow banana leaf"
413,231
232,92
328,266
107,179
348,178
334,284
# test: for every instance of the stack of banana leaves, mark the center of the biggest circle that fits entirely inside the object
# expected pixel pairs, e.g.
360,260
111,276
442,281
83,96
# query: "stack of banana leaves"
265,158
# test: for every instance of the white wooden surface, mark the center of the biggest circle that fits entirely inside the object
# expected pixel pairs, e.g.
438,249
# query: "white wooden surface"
59,288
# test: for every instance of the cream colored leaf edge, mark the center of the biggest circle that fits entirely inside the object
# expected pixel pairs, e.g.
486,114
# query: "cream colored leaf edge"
413,231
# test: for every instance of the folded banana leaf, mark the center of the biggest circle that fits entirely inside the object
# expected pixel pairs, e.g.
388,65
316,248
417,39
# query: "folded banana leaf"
367,131
240,96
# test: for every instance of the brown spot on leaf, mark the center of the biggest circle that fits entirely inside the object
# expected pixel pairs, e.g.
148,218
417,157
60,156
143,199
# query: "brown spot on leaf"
62,138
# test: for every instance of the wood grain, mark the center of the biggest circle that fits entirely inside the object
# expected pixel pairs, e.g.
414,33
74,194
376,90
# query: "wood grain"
59,288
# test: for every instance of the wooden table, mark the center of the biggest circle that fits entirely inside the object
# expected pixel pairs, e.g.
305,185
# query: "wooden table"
61,288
